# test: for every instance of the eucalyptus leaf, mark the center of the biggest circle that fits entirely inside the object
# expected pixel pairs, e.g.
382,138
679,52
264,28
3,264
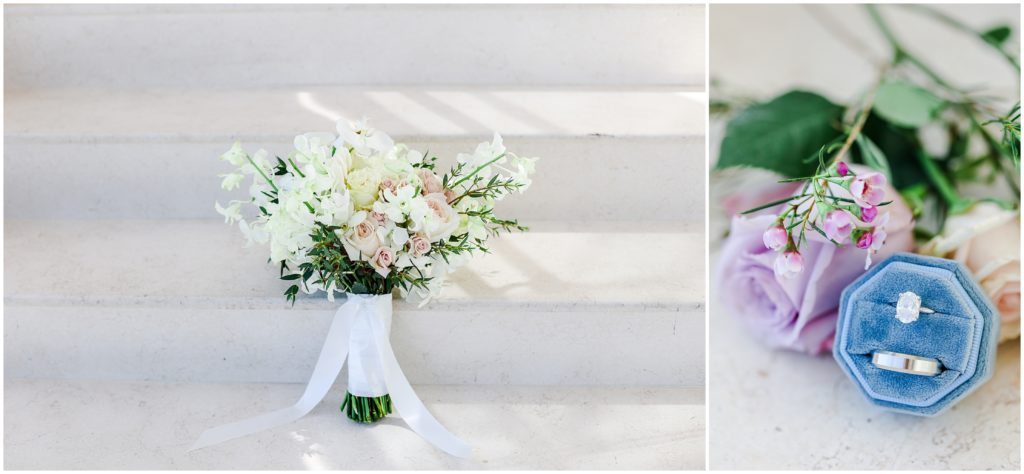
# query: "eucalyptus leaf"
906,105
780,134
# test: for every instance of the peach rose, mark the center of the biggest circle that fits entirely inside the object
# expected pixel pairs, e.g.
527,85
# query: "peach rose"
431,183
419,245
987,240
382,260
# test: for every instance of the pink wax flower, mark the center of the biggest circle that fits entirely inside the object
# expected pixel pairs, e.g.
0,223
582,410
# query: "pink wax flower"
865,240
775,238
868,214
797,313
868,189
789,264
838,225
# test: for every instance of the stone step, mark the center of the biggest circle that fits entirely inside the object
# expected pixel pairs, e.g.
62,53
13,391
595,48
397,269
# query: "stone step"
607,154
180,300
61,424
234,46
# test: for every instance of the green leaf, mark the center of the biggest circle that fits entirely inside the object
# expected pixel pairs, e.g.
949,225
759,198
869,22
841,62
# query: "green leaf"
778,135
899,146
873,156
997,36
906,105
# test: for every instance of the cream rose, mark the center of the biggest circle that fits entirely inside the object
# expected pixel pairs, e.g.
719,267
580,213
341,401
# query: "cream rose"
363,235
443,221
987,240
364,185
382,260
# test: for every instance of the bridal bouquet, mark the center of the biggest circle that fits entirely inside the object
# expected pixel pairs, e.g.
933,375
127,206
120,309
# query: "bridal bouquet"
913,164
357,213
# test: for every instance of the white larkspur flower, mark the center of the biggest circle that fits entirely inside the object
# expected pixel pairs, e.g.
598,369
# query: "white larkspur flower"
231,213
312,147
236,155
231,181
398,204
484,155
366,141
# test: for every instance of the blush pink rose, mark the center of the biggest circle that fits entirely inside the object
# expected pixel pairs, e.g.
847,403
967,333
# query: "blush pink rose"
382,260
419,245
431,183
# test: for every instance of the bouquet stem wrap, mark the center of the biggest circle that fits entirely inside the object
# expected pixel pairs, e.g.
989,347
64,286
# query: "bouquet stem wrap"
358,332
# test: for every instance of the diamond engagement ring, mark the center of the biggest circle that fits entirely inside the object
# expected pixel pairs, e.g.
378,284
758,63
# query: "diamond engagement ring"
908,307
906,363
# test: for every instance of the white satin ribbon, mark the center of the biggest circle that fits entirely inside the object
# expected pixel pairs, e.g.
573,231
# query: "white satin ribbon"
358,310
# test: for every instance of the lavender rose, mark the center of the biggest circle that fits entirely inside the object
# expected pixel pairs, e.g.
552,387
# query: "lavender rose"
797,311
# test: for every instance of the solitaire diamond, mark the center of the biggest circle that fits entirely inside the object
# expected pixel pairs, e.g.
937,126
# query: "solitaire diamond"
908,308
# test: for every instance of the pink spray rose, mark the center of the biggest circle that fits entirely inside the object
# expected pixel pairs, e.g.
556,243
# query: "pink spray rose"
797,313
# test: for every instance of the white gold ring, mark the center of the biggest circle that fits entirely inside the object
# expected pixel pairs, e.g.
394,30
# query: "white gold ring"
906,363
908,307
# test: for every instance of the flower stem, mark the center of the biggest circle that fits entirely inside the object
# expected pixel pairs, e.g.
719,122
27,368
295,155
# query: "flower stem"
470,175
939,180
260,171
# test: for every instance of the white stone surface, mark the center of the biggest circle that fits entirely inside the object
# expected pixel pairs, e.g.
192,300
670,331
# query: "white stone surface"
611,154
183,300
246,45
832,49
795,412
132,425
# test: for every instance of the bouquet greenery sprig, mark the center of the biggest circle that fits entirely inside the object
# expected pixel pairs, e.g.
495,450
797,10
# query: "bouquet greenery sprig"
808,138
358,213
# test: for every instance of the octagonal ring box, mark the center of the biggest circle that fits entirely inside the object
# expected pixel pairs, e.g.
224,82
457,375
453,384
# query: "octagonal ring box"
962,333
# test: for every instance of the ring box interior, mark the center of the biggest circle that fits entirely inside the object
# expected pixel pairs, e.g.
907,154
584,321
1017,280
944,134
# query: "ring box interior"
961,333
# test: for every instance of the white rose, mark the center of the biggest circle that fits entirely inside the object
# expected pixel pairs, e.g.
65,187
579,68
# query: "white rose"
364,184
363,234
987,240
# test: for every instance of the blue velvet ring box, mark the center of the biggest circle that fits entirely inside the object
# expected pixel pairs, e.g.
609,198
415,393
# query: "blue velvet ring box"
962,333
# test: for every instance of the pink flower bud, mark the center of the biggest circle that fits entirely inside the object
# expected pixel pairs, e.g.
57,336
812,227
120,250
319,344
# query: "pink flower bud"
789,264
842,169
775,238
868,214
865,240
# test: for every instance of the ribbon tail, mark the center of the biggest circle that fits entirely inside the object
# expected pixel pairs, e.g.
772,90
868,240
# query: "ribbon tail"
408,405
328,366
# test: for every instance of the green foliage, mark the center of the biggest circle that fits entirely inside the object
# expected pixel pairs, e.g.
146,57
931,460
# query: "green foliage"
906,105
997,36
778,135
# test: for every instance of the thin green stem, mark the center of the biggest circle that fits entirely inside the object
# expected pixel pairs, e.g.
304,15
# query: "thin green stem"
477,170
260,171
942,185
